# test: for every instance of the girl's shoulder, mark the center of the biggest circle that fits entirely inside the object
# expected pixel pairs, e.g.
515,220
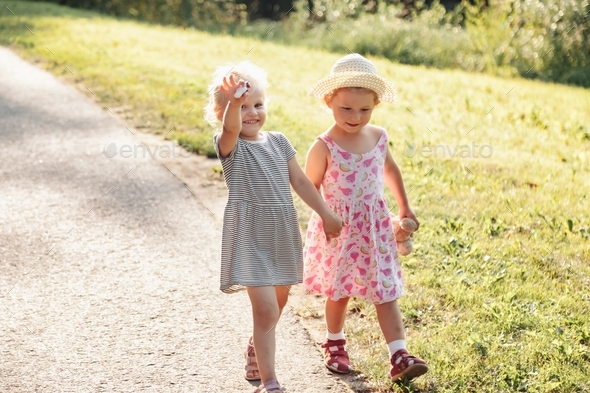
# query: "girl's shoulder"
324,139
376,130
322,143
278,137
280,142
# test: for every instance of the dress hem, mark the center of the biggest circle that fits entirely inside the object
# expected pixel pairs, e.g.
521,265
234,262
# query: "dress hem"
233,288
354,294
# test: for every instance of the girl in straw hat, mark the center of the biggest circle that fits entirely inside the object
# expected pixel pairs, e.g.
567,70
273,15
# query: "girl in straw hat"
261,248
350,163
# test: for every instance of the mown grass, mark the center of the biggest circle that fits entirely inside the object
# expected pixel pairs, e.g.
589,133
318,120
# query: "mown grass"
498,287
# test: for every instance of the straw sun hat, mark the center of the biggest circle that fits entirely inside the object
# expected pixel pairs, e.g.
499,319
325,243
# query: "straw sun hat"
354,71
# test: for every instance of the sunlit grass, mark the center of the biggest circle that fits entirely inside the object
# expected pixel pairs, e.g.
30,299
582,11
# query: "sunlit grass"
498,287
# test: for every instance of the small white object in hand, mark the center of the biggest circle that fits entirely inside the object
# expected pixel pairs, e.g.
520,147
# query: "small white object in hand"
241,90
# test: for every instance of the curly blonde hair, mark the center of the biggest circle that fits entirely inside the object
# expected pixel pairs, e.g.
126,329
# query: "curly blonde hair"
217,101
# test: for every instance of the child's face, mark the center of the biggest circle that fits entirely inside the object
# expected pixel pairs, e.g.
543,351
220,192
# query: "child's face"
352,108
253,113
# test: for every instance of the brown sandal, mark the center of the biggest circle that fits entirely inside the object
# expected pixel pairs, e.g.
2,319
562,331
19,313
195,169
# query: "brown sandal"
252,373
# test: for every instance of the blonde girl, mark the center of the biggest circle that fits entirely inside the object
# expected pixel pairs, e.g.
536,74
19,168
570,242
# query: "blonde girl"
261,248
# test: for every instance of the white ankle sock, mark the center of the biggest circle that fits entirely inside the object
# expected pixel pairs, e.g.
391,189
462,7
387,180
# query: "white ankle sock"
335,336
395,346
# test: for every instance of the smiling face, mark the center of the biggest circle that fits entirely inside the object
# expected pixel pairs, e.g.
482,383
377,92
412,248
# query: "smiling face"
253,114
352,108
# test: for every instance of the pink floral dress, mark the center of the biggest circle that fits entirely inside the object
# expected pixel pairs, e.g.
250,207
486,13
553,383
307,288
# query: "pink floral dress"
362,261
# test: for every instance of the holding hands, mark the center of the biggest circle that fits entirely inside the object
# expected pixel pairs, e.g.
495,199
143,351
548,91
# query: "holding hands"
333,224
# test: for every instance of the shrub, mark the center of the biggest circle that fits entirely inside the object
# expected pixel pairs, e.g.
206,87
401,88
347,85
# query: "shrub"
217,14
542,39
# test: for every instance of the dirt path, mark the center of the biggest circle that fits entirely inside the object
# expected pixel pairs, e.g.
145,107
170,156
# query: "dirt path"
110,265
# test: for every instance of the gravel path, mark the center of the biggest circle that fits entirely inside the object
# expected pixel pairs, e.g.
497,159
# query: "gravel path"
110,266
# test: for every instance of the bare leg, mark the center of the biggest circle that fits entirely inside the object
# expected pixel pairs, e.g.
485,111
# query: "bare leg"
335,355
282,296
265,311
390,320
335,314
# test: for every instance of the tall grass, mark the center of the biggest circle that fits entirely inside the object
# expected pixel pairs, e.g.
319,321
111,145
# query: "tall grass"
539,39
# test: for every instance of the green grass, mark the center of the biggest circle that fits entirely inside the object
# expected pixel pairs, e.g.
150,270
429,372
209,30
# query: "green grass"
498,287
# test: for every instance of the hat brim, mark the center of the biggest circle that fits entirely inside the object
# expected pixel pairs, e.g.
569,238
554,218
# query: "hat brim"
384,89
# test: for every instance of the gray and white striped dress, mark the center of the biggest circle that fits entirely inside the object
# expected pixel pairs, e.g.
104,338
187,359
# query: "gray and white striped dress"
261,244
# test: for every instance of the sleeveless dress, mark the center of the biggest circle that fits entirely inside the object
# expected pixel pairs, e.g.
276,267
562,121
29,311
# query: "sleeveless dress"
362,261
261,243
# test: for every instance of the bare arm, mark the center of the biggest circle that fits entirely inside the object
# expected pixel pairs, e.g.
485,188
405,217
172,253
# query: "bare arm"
395,182
316,163
232,117
310,195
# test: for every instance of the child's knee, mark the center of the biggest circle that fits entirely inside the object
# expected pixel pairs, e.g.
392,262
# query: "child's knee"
266,314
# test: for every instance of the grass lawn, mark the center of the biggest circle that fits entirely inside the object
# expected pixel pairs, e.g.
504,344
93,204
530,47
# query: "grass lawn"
498,171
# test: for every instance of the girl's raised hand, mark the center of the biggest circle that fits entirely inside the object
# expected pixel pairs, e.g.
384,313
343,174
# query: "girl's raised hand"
236,91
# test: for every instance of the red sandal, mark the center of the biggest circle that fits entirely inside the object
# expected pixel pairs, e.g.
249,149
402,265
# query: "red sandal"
406,367
252,373
336,357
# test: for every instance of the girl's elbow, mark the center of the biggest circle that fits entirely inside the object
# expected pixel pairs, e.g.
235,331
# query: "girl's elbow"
295,183
389,172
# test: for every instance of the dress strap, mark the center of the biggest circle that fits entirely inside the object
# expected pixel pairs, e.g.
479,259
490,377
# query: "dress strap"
327,140
383,142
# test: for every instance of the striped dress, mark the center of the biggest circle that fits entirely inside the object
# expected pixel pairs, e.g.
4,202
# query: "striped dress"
261,244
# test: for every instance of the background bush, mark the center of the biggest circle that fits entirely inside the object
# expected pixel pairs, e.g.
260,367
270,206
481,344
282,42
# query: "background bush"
542,39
